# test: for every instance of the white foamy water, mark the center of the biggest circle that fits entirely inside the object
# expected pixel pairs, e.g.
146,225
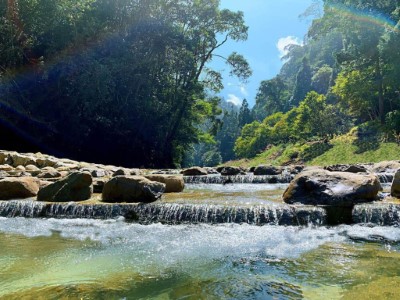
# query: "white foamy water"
189,241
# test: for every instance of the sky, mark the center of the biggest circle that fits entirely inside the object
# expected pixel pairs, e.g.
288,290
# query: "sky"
273,24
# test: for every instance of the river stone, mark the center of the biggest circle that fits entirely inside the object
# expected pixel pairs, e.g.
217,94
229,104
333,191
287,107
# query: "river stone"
132,189
77,186
42,162
20,159
16,188
3,157
49,172
6,168
346,168
122,172
322,187
194,171
230,171
32,169
386,167
267,170
395,188
98,185
173,183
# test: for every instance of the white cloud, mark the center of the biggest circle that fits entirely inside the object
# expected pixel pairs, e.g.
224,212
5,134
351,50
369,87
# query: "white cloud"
286,41
234,99
243,91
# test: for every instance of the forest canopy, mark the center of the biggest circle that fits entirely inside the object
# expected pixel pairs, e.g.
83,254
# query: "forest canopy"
121,81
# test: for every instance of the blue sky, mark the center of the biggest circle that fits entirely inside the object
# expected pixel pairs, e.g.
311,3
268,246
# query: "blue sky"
270,22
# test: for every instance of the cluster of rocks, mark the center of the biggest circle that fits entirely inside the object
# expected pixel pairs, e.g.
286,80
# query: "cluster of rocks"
64,180
339,188
233,171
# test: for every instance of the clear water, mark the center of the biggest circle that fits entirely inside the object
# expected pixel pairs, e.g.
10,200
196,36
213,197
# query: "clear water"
229,194
113,259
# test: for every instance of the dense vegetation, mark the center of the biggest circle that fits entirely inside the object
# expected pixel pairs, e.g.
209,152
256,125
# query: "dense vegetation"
345,75
121,81
128,82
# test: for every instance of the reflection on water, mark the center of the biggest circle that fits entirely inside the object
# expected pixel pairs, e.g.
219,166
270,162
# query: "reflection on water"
113,259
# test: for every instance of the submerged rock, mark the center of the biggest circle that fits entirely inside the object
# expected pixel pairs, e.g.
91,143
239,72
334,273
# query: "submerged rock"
132,189
322,187
21,187
173,183
76,186
194,171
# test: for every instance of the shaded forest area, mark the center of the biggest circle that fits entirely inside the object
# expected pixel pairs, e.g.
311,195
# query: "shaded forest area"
123,82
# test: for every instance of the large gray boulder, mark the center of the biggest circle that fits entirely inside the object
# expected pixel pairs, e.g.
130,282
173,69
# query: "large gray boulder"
230,171
267,170
194,171
77,186
322,187
18,187
173,183
132,189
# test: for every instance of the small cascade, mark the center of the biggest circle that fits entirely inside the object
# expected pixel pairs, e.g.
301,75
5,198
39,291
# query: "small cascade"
248,178
169,213
384,214
385,177
22,208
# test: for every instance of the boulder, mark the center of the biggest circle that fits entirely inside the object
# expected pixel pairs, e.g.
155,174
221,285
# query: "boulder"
132,189
230,171
322,187
173,183
6,168
49,172
347,168
395,188
386,167
32,169
97,173
44,161
77,186
194,171
98,185
211,171
21,159
3,157
16,188
267,170
122,172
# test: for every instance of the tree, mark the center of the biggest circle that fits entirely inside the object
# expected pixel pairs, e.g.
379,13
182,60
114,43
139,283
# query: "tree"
272,97
131,72
245,116
303,83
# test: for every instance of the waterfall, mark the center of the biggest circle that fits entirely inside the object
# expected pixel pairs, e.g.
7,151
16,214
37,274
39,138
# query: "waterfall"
170,213
248,178
384,214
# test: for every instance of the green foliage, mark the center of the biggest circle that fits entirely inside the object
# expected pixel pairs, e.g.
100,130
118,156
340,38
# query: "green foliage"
272,97
131,72
302,84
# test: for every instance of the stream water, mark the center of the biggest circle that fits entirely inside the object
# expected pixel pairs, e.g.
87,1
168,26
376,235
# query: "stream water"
117,259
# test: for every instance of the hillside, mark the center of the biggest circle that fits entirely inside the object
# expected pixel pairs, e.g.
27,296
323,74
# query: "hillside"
344,149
